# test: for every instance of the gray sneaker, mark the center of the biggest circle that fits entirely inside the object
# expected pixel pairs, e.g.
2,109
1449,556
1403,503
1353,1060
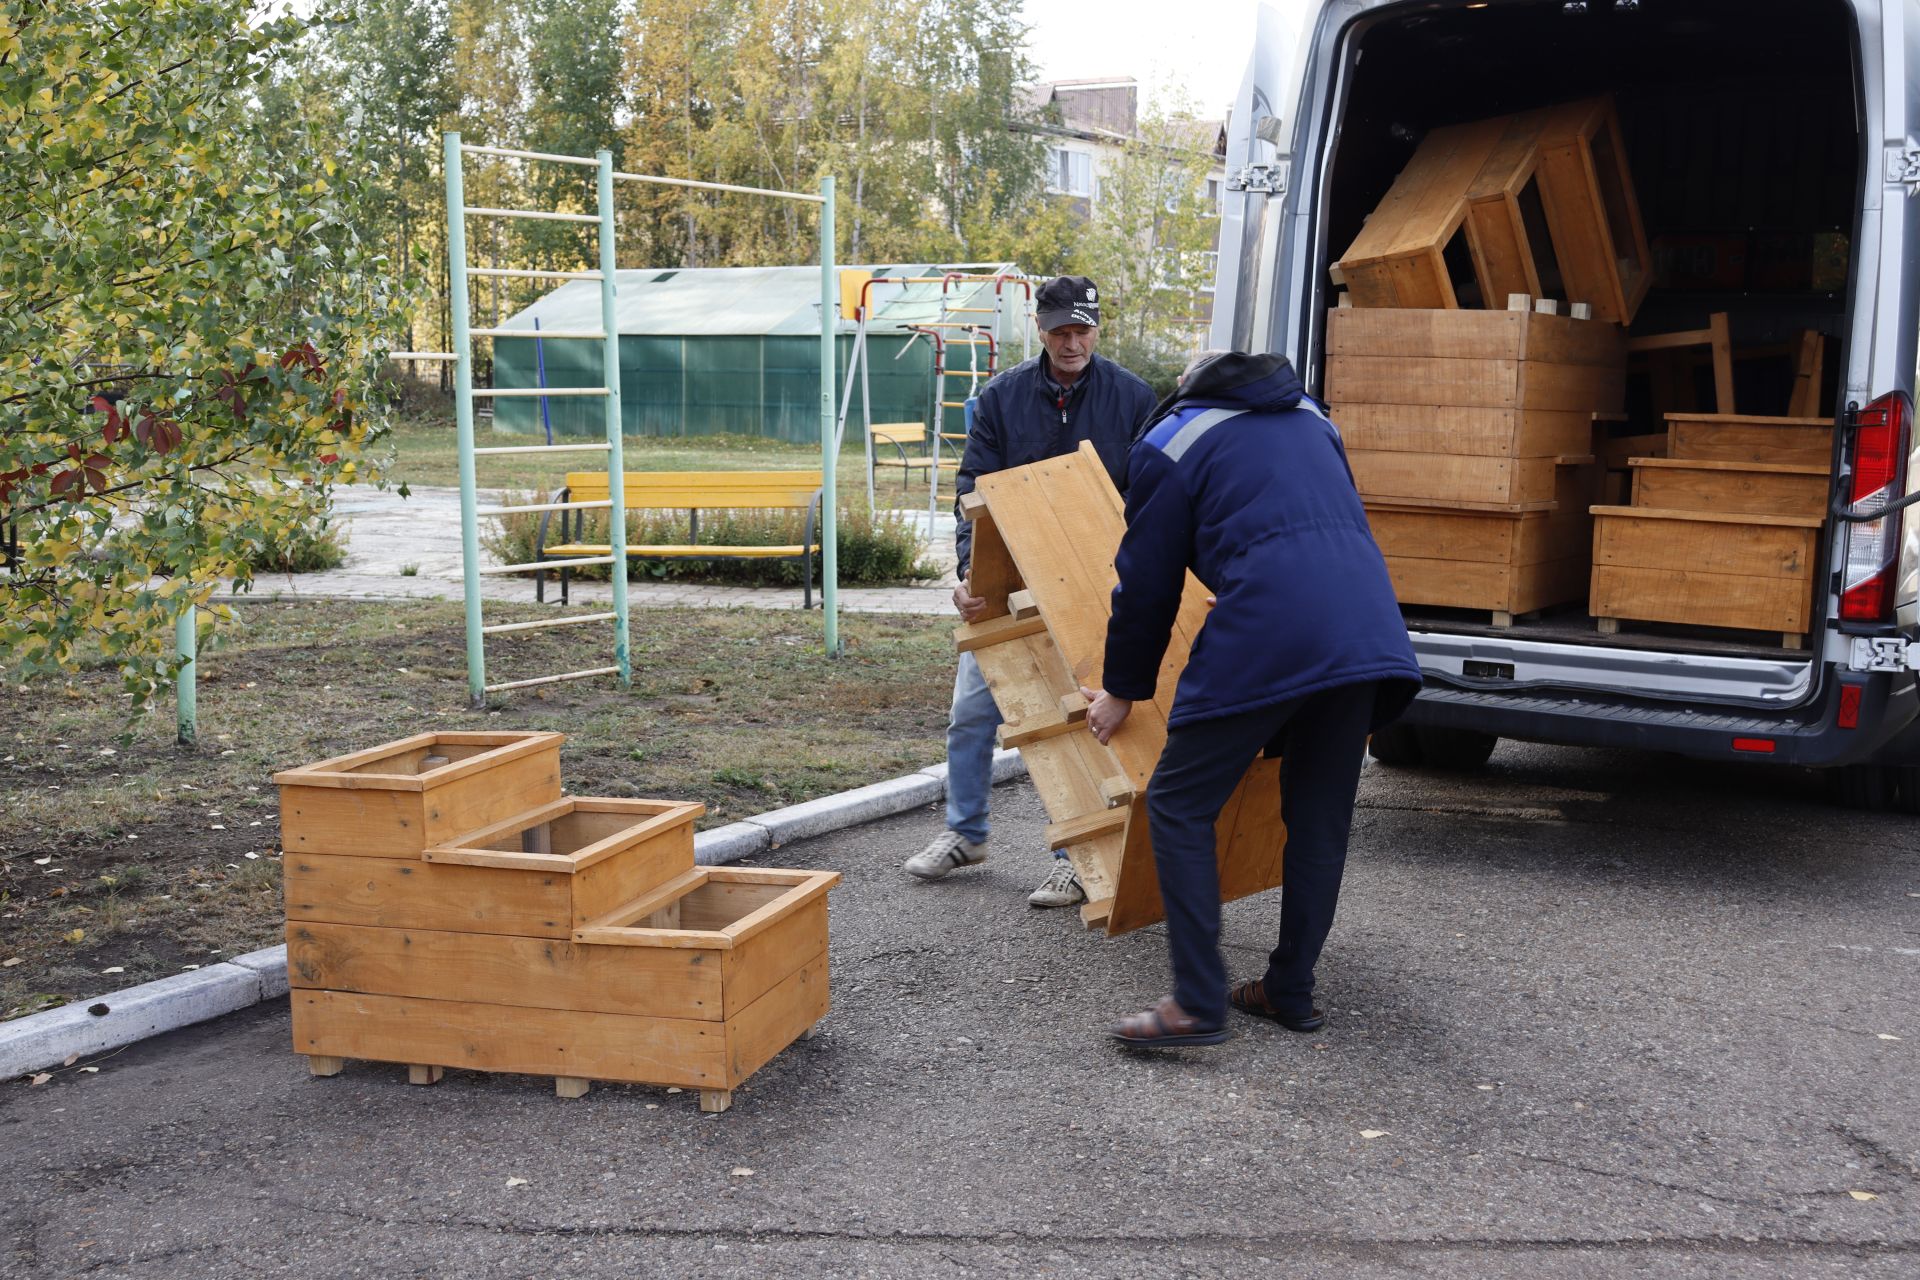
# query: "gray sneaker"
1061,888
948,851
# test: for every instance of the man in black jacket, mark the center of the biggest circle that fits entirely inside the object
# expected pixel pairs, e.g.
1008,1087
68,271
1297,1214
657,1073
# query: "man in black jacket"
1039,409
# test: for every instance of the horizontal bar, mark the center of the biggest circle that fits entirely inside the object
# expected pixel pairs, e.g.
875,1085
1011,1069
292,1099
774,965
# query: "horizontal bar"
518,274
581,335
568,675
597,447
500,628
594,505
953,404
499,392
531,565
972,311
422,355
537,215
717,186
474,150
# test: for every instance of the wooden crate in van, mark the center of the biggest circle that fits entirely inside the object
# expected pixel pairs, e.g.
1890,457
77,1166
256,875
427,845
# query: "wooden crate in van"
1705,569
1726,437
1505,562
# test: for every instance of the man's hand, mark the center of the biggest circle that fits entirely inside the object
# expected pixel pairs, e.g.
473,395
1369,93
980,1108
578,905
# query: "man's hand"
1105,713
969,605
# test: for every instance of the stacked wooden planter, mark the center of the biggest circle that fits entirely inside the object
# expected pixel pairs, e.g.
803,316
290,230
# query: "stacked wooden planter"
1723,531
1470,436
448,907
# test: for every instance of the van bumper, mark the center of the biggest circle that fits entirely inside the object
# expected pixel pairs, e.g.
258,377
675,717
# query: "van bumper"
1888,727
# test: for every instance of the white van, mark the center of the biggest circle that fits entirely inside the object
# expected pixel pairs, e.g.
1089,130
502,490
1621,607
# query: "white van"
1767,122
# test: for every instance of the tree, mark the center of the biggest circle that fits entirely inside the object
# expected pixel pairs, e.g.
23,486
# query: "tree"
191,329
1147,246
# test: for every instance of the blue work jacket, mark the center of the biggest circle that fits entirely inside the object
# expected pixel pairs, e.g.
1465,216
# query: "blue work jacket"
1243,479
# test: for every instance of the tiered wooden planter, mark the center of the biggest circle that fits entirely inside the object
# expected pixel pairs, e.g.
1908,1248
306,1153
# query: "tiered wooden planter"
1470,436
569,937
1044,538
1723,532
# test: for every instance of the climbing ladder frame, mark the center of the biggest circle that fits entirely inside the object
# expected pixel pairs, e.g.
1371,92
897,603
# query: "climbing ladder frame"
608,335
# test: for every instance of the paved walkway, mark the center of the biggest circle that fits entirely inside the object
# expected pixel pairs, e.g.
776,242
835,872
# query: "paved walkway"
409,548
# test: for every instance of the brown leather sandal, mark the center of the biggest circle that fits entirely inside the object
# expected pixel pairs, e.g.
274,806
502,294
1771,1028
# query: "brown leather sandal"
1251,997
1164,1026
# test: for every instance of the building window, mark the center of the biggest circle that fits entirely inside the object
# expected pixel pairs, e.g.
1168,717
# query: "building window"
1069,172
1215,195
1209,269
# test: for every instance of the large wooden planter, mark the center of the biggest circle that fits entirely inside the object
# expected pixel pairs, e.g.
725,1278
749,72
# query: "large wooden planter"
1043,547
1703,568
574,938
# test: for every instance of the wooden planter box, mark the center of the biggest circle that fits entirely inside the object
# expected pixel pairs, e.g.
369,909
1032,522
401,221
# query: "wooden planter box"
1592,212
1754,488
696,985
397,799
1719,437
570,937
1710,569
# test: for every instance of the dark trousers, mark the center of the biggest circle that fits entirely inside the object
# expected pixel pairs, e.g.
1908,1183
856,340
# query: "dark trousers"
1320,739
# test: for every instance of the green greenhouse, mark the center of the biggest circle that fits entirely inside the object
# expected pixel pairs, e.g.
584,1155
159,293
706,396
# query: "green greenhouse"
736,350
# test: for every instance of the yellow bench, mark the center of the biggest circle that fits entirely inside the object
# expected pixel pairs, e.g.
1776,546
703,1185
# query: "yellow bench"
900,435
692,492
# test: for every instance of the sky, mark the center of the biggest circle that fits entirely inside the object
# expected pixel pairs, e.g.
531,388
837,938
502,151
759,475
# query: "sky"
1203,58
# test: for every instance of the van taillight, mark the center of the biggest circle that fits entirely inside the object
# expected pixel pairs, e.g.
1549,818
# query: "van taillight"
1879,453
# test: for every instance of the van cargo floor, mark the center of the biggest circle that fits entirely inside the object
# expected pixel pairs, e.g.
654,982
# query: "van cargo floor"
1574,626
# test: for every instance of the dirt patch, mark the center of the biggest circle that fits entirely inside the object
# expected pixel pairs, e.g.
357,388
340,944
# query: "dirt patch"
120,850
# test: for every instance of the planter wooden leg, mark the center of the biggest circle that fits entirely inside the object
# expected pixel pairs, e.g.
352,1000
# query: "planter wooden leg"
571,1086
1794,639
1501,618
716,1099
419,1073
810,1032
1608,626
321,1064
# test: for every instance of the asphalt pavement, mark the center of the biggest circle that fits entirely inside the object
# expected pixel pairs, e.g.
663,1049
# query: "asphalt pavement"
1590,1014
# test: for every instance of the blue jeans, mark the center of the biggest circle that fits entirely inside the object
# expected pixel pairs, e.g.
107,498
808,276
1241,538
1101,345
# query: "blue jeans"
970,743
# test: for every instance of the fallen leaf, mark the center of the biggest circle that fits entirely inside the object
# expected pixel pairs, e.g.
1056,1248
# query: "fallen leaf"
92,1071
71,1059
11,961
1857,1195
115,969
76,936
1484,1088
41,862
1884,1036
1373,1133
653,1106
740,1171
43,1077
675,1089
516,1182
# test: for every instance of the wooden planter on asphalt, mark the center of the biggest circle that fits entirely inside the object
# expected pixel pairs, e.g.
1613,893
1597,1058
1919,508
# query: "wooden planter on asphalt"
574,938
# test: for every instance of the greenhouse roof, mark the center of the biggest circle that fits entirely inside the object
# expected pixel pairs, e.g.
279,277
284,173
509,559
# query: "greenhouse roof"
737,301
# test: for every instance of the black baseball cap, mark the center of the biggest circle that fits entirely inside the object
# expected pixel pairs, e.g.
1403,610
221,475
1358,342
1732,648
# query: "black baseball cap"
1066,300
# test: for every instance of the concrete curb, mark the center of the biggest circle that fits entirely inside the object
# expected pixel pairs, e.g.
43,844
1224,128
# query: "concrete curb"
44,1040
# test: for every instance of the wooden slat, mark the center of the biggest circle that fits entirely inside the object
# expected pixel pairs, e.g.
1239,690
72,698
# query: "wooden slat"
1495,384
1701,599
1474,335
1809,367
1502,588
536,973
1463,429
1515,483
705,490
385,823
774,1021
1755,488
979,635
774,954
1725,438
1092,826
399,893
617,825
1628,539
688,1052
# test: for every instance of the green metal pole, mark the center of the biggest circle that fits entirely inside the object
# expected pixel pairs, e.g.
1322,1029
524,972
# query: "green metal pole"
829,455
463,420
616,461
186,643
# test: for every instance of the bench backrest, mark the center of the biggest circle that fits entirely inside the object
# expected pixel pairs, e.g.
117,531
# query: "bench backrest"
701,490
898,432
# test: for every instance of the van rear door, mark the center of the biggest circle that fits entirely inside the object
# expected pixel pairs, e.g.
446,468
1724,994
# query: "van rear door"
1259,161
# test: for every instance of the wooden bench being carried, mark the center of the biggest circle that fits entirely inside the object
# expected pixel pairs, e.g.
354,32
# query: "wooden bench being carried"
692,492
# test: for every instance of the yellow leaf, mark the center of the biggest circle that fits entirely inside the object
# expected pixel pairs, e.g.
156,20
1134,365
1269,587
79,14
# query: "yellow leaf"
1863,1195
77,936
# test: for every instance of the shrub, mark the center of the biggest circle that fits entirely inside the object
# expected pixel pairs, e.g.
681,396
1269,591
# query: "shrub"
873,548
311,546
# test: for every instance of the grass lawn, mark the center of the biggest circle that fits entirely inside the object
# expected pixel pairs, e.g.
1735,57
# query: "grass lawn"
426,453
125,858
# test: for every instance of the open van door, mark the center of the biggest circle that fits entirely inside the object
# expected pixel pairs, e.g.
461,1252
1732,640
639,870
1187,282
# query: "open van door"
1258,162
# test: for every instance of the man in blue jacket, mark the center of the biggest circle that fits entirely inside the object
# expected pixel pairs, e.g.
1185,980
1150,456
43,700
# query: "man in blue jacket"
1038,409
1243,479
